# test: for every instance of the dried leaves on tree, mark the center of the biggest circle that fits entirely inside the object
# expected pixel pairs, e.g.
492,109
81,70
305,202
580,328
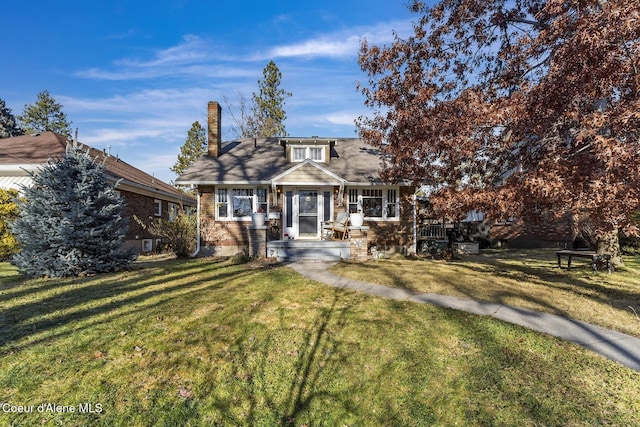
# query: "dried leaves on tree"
509,105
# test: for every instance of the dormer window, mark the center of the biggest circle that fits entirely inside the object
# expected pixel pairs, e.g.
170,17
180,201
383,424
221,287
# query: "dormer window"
314,148
302,153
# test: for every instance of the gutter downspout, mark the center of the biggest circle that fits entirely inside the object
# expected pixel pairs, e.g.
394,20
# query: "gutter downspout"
197,228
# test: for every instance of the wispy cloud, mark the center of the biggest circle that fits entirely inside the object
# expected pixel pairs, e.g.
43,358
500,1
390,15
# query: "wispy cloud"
201,58
191,50
321,47
149,115
344,43
193,56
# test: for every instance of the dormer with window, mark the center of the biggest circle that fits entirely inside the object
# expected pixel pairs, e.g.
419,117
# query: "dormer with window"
301,149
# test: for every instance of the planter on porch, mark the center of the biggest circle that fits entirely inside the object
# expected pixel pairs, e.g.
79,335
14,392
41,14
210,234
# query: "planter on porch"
257,219
356,219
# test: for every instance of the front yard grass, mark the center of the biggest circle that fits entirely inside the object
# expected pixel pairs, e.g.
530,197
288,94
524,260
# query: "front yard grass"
208,342
522,278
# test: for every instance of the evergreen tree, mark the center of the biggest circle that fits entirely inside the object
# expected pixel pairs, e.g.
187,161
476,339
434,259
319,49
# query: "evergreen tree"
70,222
267,113
45,115
8,124
195,146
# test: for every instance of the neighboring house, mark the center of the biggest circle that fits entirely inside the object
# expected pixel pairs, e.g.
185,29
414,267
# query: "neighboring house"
144,196
299,183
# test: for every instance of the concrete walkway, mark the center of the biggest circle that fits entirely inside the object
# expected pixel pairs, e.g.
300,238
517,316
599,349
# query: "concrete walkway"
616,346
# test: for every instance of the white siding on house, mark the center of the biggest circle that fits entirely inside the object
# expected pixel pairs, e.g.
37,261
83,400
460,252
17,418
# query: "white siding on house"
14,182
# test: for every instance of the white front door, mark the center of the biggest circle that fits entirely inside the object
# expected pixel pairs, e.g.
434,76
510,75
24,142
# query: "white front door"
304,210
308,218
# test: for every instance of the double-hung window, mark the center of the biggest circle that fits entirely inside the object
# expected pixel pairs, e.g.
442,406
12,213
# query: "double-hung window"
374,203
240,203
173,211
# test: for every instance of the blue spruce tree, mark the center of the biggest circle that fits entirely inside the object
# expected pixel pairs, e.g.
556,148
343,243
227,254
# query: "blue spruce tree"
70,221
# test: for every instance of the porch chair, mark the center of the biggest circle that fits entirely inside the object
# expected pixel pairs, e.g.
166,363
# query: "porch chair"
337,226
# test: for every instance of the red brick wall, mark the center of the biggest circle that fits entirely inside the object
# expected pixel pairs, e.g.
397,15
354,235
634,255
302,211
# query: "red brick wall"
143,207
232,234
219,233
541,231
386,235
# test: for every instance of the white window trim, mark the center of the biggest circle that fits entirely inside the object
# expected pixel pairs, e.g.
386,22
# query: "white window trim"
385,202
173,211
307,153
147,245
157,207
254,201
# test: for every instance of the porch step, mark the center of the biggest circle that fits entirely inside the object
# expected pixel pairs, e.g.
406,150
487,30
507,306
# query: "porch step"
308,250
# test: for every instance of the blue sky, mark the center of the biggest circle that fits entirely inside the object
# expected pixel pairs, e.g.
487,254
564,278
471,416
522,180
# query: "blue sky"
134,75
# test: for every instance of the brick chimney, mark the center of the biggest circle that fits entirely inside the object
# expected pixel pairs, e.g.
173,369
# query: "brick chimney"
215,129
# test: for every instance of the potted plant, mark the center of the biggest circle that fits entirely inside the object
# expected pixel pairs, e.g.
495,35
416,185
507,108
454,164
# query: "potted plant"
258,218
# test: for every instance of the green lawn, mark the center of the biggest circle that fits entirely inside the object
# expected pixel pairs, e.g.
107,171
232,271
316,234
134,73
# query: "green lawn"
523,278
207,342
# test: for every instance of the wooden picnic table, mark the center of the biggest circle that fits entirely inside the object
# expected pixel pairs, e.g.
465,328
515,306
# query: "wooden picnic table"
595,258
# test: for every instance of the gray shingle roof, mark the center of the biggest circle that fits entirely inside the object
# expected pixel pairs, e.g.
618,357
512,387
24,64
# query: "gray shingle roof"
243,162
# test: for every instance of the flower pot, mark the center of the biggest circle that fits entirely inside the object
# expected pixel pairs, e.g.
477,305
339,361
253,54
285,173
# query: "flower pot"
258,219
356,219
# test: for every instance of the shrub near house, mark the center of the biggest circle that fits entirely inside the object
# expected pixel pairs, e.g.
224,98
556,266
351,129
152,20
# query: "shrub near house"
8,213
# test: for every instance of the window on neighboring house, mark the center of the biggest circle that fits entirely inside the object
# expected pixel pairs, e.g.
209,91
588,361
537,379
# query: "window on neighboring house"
299,154
354,204
157,209
147,245
173,211
392,204
315,153
374,202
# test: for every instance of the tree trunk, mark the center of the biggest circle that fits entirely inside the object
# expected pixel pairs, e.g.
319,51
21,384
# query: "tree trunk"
609,243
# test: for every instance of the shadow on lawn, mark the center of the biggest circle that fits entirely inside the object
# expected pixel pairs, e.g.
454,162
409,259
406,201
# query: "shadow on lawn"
86,299
512,369
279,398
536,267
527,268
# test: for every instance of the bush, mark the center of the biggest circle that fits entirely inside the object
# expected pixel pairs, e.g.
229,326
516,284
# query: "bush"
8,214
179,233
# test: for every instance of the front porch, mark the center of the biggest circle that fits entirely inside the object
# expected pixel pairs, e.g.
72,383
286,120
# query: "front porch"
311,250
354,247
